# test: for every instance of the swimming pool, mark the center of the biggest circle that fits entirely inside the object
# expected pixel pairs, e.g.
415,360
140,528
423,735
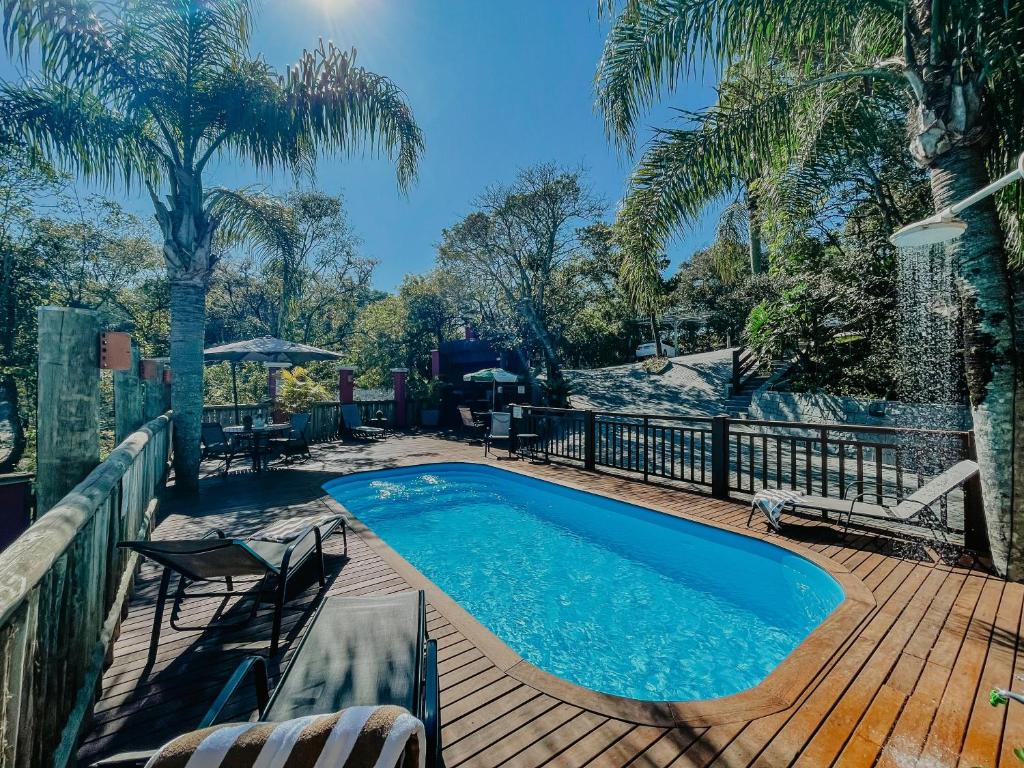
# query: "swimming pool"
608,595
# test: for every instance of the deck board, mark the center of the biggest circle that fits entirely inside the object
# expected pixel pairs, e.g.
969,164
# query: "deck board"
908,682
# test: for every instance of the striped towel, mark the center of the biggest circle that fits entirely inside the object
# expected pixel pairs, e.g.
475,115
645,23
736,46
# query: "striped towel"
357,737
772,501
284,531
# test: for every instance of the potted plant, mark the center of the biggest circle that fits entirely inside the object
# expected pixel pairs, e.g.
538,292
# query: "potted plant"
431,393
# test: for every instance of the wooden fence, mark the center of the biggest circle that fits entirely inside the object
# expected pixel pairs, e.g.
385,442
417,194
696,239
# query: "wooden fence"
63,584
744,455
324,417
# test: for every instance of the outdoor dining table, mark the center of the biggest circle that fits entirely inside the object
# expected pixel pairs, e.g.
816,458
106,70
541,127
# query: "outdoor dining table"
258,439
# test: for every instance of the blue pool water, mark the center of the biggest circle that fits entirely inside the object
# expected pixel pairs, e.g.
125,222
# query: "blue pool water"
608,595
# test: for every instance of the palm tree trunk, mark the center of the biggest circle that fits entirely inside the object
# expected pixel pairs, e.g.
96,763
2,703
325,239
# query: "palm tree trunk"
757,265
657,336
990,353
188,327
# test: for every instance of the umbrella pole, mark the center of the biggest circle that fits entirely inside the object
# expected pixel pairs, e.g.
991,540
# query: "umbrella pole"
234,391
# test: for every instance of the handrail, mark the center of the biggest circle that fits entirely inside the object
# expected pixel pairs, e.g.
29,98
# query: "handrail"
63,584
24,563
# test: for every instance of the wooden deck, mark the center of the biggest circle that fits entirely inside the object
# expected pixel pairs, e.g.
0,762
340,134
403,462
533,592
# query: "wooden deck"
908,686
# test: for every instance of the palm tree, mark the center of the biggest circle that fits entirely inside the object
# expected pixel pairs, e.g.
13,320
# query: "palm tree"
150,92
955,68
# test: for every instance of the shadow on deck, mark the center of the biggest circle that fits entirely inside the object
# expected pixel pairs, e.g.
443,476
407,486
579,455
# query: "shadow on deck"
907,685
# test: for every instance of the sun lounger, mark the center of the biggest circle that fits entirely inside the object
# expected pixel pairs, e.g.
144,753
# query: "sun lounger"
271,556
353,424
357,651
915,509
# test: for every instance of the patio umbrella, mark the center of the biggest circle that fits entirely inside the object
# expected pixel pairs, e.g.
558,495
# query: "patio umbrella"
494,376
265,349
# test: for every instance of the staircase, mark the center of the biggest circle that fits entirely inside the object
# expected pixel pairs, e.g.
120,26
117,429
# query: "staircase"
746,384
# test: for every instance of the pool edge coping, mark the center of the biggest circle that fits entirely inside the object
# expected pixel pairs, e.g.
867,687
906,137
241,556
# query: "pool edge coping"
780,690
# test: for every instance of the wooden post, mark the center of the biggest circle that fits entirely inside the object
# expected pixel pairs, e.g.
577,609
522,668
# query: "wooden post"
128,396
346,384
152,373
68,435
399,376
720,457
589,442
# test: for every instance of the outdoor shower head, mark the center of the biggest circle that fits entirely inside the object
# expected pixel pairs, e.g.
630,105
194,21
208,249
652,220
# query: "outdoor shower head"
930,231
945,225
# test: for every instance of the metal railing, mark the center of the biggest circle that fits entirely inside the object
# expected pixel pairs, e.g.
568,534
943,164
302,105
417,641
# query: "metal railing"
744,456
63,584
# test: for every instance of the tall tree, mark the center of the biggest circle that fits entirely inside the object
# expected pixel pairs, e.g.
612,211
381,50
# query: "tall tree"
955,68
517,240
303,242
150,91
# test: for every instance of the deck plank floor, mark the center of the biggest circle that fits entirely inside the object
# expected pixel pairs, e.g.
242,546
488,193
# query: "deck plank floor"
907,686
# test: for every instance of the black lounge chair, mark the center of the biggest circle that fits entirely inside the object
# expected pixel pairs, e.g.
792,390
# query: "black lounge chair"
353,424
216,445
357,651
271,556
295,443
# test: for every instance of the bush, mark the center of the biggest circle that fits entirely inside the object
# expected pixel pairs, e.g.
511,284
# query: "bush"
299,391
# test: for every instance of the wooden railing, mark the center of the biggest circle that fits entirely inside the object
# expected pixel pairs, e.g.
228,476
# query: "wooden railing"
744,456
324,416
63,584
744,365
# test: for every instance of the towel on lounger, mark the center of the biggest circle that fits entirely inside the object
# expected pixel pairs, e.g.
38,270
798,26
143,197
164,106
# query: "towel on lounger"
357,737
772,501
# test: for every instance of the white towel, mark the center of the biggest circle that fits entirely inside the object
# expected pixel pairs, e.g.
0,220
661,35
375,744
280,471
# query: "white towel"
771,501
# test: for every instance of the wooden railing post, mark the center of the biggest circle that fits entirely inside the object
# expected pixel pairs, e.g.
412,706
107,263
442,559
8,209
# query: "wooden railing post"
68,438
645,448
128,397
589,441
720,457
736,370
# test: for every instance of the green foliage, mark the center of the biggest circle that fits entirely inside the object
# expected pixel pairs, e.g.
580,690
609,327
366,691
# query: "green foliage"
557,392
430,391
379,342
511,255
299,390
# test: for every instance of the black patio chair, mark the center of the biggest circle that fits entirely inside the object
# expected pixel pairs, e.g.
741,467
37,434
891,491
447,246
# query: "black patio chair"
216,445
270,557
471,425
295,442
357,651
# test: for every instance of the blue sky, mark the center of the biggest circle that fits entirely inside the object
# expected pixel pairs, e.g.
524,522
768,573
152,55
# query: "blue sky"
494,85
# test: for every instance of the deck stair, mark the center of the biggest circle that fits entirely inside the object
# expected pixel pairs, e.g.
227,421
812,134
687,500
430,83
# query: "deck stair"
737,405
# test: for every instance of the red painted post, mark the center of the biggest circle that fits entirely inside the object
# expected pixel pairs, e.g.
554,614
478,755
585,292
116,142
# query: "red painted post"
435,363
346,383
400,375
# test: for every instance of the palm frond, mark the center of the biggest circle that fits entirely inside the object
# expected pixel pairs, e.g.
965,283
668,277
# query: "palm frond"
266,222
653,44
77,130
325,102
